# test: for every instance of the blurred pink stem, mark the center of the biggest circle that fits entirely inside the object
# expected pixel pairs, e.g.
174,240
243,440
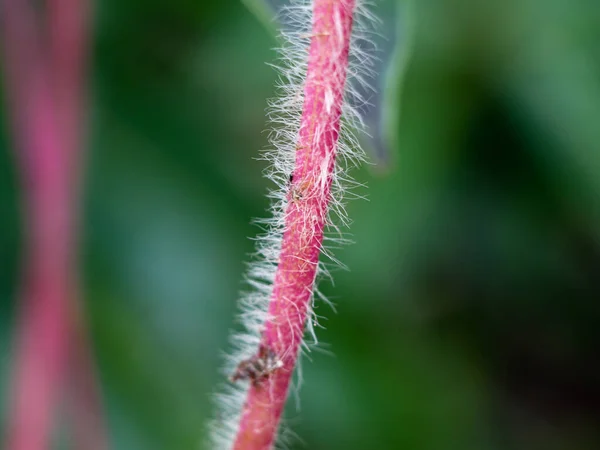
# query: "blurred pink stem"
305,219
84,400
69,42
44,90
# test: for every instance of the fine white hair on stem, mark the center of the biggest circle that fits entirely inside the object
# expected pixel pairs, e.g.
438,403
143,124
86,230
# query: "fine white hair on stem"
284,114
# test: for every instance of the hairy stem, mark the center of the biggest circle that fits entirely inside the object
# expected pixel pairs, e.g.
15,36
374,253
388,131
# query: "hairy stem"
305,219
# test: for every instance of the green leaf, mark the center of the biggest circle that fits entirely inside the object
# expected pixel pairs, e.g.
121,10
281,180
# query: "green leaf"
265,13
393,77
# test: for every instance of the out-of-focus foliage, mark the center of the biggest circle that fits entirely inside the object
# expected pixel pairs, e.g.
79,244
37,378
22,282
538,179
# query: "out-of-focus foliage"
469,319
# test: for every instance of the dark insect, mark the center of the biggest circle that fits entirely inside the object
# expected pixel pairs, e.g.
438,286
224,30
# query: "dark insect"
291,178
259,367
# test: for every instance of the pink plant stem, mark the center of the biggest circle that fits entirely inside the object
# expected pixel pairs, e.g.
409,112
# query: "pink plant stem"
44,90
40,346
305,218
68,38
69,46
43,317
89,430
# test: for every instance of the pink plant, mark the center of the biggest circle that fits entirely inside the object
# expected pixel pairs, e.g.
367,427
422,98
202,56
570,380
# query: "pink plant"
44,80
311,150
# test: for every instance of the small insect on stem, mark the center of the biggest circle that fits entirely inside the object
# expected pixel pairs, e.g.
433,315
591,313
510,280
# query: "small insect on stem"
299,190
296,194
259,367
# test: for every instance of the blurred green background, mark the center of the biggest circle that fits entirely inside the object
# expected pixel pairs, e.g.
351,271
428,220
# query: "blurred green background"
470,316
